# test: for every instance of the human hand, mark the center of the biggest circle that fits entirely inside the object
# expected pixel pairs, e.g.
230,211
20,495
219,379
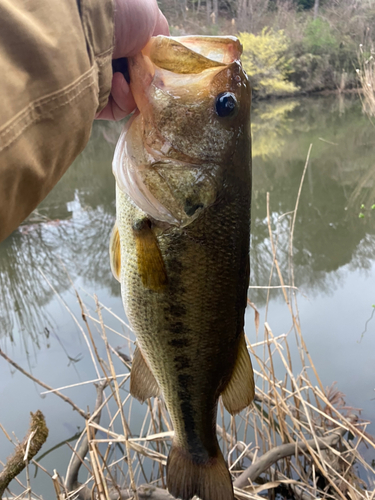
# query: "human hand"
135,22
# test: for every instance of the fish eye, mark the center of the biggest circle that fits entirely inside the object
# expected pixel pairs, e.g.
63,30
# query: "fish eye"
226,105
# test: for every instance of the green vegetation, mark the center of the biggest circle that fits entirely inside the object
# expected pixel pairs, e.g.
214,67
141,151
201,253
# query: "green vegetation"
266,62
363,209
290,46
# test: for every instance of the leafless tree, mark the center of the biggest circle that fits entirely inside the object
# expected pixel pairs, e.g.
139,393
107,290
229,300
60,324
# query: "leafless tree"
209,10
316,8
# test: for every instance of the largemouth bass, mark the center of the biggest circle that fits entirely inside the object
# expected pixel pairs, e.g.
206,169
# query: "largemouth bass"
180,246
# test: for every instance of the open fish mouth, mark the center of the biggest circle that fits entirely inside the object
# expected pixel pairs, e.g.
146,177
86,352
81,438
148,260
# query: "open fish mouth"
168,159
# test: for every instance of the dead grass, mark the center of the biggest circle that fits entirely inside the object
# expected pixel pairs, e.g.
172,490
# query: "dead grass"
298,439
366,75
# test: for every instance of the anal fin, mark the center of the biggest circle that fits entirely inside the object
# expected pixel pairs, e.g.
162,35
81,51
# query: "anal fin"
143,384
239,392
151,266
115,252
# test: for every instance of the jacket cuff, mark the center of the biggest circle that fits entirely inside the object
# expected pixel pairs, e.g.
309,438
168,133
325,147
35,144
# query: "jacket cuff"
97,18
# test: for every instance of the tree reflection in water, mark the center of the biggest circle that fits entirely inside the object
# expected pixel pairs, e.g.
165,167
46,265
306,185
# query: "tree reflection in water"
329,237
23,292
340,177
69,232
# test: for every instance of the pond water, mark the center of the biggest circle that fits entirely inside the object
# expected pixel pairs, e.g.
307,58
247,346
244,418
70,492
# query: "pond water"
66,240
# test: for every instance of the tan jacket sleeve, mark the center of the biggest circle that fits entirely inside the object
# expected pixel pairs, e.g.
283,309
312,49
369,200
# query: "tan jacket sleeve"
55,75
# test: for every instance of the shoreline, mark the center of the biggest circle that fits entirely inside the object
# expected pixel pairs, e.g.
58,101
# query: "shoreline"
305,93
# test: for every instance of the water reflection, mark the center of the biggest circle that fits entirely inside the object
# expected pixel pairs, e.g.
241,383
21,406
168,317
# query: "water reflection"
23,294
69,232
340,179
271,126
74,223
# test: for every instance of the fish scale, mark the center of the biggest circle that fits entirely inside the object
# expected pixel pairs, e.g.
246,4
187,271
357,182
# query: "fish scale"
184,283
209,309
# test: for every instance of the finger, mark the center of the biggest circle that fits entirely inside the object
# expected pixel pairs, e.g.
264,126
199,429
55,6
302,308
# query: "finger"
135,22
107,112
121,93
121,102
161,26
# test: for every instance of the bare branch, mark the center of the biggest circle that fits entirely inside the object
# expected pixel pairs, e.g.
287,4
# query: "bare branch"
32,443
71,481
287,450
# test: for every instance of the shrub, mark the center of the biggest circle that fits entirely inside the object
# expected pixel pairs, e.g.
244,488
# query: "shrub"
323,59
265,61
318,38
312,72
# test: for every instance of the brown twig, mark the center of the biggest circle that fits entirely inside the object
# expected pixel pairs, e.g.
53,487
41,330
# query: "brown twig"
32,443
76,461
146,492
117,398
287,450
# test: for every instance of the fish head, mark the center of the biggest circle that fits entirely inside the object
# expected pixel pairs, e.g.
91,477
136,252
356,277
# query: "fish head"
193,124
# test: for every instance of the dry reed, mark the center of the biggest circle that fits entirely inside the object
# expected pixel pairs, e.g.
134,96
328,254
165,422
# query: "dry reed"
366,75
298,439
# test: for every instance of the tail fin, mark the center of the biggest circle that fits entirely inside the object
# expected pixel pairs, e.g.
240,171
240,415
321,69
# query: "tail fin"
186,477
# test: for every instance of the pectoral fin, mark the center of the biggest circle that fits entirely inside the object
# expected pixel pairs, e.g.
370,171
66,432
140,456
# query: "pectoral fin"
115,252
239,392
142,381
151,266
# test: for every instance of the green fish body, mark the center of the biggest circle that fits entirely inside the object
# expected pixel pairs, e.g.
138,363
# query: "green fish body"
180,247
